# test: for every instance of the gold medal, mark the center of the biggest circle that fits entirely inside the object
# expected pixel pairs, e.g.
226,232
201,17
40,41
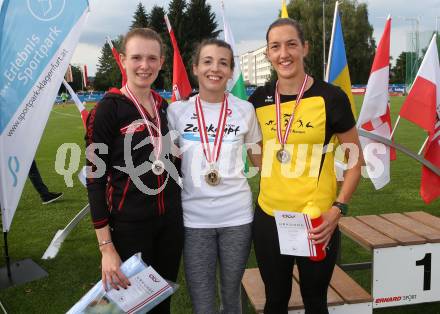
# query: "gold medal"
212,177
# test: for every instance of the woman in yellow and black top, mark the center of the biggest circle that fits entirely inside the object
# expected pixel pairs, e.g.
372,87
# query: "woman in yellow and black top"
298,167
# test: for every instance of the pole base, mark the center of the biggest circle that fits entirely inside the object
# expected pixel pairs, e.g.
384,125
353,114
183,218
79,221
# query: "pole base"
21,272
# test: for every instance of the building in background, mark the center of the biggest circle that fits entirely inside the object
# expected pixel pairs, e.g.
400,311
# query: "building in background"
255,67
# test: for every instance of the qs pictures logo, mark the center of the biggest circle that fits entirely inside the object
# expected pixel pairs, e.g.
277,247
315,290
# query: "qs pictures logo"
46,10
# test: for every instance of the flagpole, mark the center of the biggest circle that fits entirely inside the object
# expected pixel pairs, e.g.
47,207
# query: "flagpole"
323,38
401,148
109,41
82,77
423,146
395,126
330,52
8,260
3,308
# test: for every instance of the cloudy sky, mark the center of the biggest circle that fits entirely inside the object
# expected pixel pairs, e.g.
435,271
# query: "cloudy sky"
249,20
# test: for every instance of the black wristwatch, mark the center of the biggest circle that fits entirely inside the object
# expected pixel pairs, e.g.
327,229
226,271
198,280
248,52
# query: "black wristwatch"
342,207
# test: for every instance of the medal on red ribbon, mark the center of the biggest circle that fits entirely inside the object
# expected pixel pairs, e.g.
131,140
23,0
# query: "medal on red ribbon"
212,177
283,156
158,166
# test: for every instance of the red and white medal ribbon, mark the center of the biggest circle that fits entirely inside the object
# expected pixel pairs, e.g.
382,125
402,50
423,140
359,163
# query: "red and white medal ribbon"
283,139
211,156
156,141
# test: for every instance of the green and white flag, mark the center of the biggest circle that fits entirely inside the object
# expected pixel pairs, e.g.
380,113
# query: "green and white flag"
236,84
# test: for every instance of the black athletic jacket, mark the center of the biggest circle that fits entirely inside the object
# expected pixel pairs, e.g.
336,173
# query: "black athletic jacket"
114,195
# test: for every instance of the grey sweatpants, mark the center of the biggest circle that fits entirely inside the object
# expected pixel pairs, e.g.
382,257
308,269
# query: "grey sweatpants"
202,248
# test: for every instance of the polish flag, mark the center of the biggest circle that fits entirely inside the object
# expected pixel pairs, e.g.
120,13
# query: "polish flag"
375,114
181,86
115,54
422,106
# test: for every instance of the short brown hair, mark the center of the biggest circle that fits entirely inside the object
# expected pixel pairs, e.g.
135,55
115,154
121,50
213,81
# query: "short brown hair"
215,42
146,33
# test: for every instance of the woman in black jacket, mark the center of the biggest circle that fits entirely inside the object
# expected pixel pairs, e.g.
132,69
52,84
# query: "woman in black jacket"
133,183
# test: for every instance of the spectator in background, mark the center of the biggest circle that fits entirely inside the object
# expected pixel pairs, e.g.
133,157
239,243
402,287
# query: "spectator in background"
64,97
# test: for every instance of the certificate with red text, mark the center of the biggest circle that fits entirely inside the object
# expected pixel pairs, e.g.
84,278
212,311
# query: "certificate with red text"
293,229
146,287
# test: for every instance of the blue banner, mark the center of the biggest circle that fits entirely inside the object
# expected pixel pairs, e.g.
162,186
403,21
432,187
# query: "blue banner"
38,38
32,32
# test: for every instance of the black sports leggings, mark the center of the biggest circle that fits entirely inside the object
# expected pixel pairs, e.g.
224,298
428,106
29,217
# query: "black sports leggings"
160,240
276,269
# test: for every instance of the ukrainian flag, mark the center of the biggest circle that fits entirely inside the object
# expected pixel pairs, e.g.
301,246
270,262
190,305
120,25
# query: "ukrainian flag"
337,67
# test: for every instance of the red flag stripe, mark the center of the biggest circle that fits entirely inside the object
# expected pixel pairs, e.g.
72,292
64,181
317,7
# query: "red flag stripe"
382,58
118,61
85,80
386,118
84,116
420,105
181,86
430,182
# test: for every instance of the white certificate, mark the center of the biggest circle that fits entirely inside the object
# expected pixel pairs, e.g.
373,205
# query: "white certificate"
293,233
146,287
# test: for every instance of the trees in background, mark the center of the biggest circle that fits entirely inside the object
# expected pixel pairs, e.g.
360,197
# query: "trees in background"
192,22
398,71
108,74
140,17
358,35
199,23
157,22
76,84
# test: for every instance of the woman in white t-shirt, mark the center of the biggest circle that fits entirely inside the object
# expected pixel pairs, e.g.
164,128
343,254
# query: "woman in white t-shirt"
217,204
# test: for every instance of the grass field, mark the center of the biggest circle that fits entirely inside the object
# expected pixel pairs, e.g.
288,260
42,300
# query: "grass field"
76,268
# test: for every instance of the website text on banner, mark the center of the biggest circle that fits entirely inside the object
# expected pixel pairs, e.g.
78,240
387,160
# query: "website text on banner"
37,44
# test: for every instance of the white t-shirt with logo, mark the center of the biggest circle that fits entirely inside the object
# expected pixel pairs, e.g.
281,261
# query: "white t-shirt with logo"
230,202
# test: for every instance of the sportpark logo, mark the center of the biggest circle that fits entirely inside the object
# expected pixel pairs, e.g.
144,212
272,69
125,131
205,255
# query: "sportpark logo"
46,10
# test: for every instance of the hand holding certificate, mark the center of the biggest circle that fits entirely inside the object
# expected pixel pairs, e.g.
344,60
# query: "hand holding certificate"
146,286
147,289
293,229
